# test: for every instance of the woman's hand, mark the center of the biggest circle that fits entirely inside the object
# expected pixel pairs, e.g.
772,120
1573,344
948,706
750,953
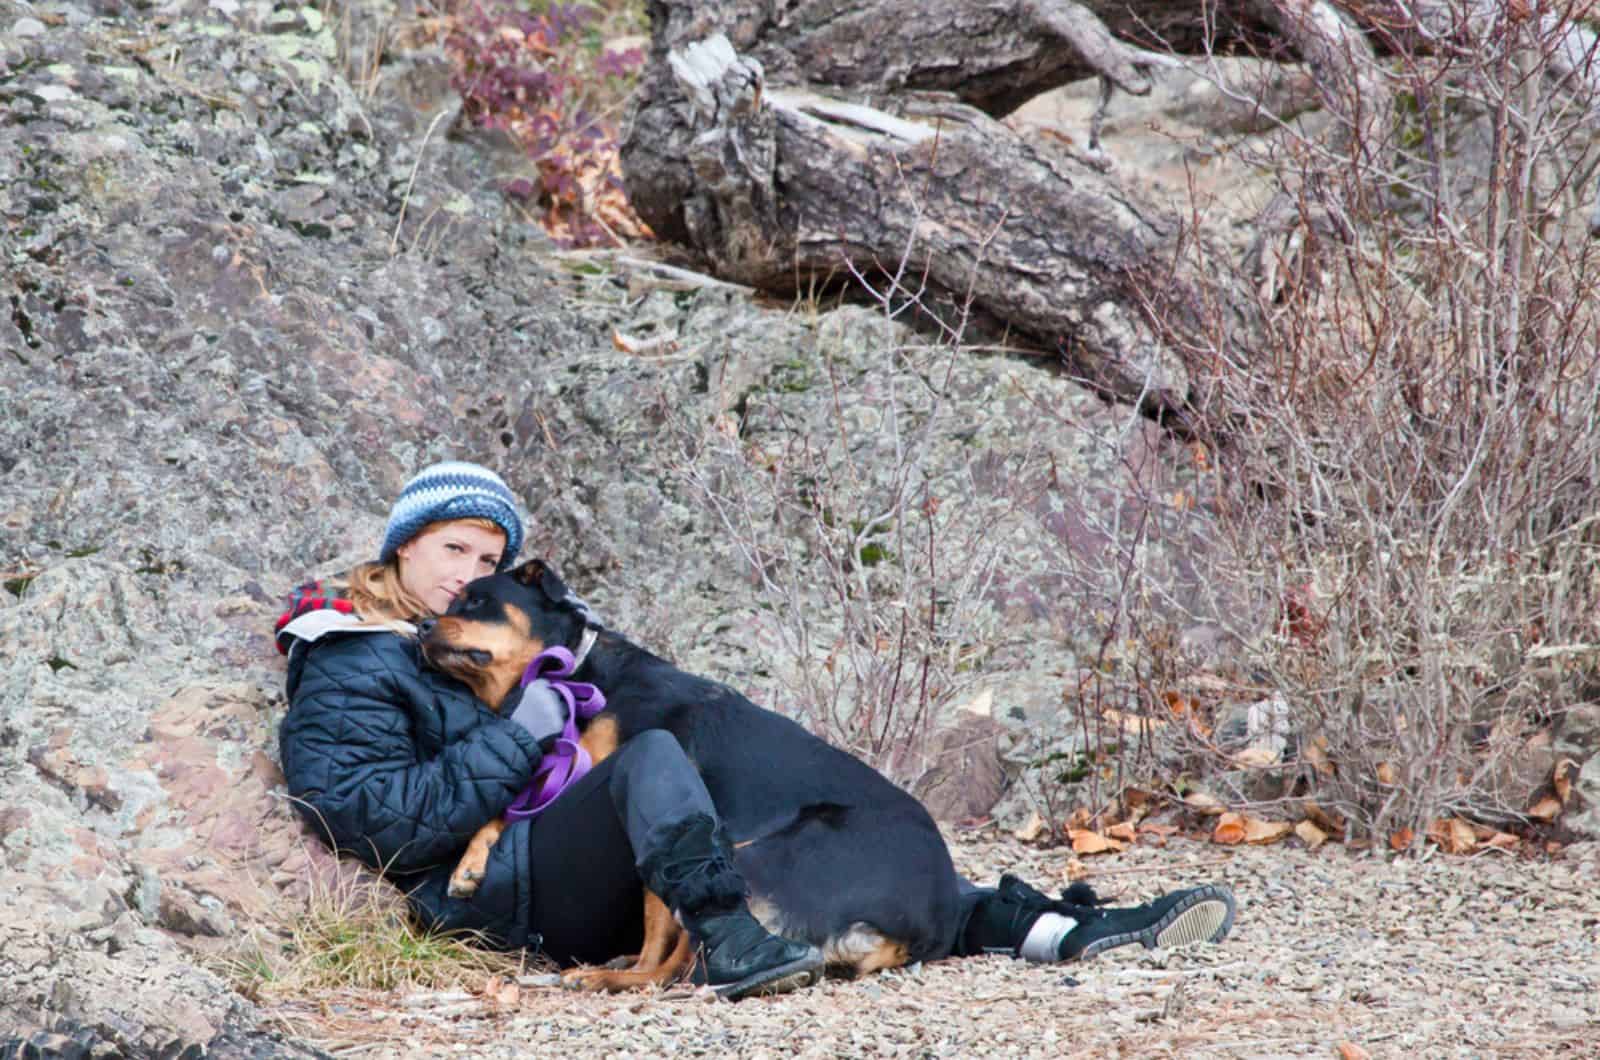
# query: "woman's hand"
542,711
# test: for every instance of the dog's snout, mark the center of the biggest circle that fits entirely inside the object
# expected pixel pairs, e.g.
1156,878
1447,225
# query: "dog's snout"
425,627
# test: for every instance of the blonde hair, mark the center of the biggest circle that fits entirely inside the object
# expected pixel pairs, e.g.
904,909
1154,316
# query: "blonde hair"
375,589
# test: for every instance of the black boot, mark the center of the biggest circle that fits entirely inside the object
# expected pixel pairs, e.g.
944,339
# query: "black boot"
693,874
1014,920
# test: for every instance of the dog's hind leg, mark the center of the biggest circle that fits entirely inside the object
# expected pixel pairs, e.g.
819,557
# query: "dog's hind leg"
664,956
863,950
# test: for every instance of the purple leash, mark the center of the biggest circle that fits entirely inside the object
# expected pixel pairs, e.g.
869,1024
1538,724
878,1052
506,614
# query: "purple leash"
566,762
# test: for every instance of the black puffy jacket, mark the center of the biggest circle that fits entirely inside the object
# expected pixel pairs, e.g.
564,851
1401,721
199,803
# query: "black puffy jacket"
398,765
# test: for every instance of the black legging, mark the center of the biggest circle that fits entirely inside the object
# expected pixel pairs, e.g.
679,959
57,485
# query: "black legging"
588,901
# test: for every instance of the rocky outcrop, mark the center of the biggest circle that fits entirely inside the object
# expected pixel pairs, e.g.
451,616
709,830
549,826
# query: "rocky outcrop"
243,300
254,275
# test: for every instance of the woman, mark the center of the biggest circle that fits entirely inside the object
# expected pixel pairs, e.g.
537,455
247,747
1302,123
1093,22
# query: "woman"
399,765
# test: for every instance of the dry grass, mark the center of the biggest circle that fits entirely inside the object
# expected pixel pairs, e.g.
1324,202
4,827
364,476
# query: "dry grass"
357,935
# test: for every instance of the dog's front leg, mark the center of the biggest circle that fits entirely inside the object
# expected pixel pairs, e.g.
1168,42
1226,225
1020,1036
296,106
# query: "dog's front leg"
469,872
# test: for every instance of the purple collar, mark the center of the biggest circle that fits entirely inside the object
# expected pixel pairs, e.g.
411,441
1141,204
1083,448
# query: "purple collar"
566,761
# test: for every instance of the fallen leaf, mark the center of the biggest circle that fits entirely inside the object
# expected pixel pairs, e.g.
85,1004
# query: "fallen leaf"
1402,839
1085,841
1352,1051
1179,703
1155,828
1256,757
501,991
1032,830
1230,829
1079,818
1136,803
981,704
1385,773
1453,835
1328,822
1076,870
1502,841
1546,809
1258,832
1561,779
1316,752
1132,724
1203,801
1124,831
1310,834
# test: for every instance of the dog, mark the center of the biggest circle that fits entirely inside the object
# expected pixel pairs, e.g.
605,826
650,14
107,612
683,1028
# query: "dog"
834,853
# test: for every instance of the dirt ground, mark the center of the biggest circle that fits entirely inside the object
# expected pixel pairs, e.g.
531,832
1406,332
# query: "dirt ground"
1335,953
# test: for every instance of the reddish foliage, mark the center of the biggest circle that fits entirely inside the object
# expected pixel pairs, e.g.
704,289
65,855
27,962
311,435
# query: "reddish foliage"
1300,620
532,75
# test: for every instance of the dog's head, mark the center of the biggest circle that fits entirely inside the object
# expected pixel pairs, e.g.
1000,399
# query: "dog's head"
497,625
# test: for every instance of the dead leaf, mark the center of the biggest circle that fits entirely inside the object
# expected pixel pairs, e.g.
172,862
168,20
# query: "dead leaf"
1132,724
1453,835
1316,752
1179,703
501,991
1124,831
1561,779
1385,773
1502,841
1402,839
1079,818
1352,1051
1032,830
1076,870
1230,829
1328,822
1136,803
1085,841
1202,801
1157,829
1259,832
1310,834
1546,809
1255,757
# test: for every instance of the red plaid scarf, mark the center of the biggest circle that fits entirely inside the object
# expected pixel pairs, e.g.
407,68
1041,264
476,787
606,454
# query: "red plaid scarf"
309,597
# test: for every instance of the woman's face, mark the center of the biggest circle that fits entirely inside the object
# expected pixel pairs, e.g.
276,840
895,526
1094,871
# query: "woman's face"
436,563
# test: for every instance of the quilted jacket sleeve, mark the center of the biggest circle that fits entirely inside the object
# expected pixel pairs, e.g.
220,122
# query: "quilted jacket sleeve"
393,764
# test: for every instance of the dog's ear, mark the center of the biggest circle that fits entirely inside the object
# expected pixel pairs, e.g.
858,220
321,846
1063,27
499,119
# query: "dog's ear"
528,573
553,586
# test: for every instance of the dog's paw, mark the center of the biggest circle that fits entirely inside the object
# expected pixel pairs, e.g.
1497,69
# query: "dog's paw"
582,979
464,883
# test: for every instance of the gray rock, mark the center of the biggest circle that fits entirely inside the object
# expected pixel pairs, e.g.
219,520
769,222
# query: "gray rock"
246,299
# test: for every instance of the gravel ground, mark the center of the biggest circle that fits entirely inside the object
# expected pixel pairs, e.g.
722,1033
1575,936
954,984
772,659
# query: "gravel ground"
1335,953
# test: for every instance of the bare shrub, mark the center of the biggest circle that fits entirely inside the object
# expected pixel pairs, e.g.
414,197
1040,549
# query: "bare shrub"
1402,476
837,499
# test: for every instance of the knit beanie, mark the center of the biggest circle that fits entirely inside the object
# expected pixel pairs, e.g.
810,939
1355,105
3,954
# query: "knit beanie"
453,490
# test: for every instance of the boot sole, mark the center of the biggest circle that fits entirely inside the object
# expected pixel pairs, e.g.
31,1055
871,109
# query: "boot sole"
780,980
1203,915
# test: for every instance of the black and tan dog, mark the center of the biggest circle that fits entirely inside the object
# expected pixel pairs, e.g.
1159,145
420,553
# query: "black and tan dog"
833,852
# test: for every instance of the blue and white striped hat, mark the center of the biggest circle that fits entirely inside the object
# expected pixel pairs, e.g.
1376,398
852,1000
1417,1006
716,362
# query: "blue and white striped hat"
453,490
